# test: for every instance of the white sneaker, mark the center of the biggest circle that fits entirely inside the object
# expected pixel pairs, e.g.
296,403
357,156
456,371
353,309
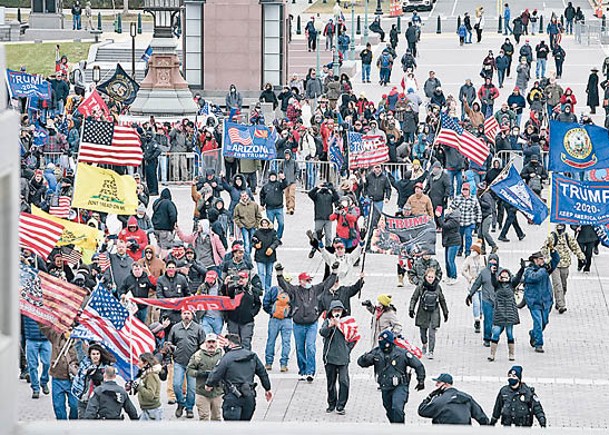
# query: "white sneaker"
430,355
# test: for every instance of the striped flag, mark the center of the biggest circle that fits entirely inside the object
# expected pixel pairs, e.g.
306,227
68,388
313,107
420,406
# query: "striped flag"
348,326
49,300
70,255
103,261
237,135
125,335
491,128
105,143
454,136
405,344
147,54
38,234
335,151
62,209
366,150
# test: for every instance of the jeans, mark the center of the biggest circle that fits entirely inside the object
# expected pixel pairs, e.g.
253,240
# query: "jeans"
305,335
432,337
76,24
38,352
212,324
511,220
277,326
501,76
540,70
142,313
265,272
152,414
365,72
450,252
569,27
336,373
507,29
468,37
163,168
497,330
179,372
276,214
312,172
384,75
487,325
466,233
477,305
61,390
455,174
541,318
247,235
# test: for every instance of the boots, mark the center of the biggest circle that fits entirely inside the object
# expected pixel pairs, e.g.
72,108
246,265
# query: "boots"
511,347
400,280
493,352
477,326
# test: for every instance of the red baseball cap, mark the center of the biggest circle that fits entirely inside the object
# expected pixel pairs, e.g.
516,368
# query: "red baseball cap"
211,276
243,274
304,276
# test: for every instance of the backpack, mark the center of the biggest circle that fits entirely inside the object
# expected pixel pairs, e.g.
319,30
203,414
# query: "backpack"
281,306
73,76
385,61
429,301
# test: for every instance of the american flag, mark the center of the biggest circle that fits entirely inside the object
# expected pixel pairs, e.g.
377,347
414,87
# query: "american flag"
335,152
38,234
49,300
62,209
491,128
405,344
237,135
105,143
454,136
70,255
348,326
366,150
109,322
103,261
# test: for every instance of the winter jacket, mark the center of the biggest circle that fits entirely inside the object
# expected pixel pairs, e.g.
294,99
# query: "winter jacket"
119,270
235,191
451,235
290,169
428,319
439,189
31,330
271,194
176,287
323,199
336,348
149,389
136,240
155,267
454,160
186,339
417,272
247,215
505,310
564,243
346,224
518,406
304,300
164,212
487,204
469,208
61,371
452,406
196,240
344,293
200,366
483,282
250,302
537,286
420,205
377,187
139,287
263,240
472,266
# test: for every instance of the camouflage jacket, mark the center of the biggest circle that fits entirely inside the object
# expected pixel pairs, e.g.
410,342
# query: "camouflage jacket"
562,243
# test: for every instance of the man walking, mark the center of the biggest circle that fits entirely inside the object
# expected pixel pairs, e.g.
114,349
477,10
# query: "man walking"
201,364
471,216
109,400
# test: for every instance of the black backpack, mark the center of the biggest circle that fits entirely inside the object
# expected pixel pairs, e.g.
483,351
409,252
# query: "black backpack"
429,301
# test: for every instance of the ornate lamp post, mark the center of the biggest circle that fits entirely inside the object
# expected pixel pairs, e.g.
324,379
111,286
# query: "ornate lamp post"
319,27
365,22
352,46
335,60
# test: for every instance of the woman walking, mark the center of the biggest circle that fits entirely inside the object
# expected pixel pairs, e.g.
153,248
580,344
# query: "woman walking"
505,313
149,388
429,298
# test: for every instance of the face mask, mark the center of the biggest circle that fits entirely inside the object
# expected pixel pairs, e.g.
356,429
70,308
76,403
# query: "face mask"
560,230
386,346
513,382
308,285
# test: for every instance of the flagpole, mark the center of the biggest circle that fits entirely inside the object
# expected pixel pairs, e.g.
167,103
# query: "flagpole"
131,346
368,236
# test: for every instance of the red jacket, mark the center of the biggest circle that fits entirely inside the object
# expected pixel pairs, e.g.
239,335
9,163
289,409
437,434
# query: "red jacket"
138,236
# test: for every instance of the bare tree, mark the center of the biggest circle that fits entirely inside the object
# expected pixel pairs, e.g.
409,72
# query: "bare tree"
125,6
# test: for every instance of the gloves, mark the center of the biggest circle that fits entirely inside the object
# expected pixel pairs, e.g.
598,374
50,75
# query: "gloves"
269,252
445,317
278,267
523,263
468,300
411,314
420,386
335,265
366,303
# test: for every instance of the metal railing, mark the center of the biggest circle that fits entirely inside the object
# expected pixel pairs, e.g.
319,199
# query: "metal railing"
592,32
312,172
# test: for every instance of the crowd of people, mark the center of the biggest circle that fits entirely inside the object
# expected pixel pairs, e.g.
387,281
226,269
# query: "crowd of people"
206,357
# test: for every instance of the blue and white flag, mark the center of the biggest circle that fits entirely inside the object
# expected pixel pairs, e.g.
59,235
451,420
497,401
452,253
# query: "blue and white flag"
253,142
22,84
41,136
575,147
335,148
511,188
147,54
579,202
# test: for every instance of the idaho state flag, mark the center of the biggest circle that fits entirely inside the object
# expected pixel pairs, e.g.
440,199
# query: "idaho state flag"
104,190
575,147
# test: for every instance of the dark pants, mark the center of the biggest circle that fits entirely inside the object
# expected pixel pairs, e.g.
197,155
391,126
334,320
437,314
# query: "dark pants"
478,35
413,48
559,68
512,220
394,402
312,43
252,180
509,67
341,374
235,409
588,250
151,177
245,332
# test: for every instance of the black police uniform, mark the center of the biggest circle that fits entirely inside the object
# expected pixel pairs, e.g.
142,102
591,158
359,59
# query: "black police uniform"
237,369
393,377
451,406
108,402
518,406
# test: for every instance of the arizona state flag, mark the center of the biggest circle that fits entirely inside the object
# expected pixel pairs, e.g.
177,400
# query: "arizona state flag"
104,190
83,236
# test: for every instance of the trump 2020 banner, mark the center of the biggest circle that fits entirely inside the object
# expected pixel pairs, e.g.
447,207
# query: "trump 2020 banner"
251,142
579,202
395,235
366,150
22,84
575,147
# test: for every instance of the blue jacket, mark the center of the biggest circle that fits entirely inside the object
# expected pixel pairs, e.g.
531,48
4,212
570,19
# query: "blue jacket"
32,331
537,285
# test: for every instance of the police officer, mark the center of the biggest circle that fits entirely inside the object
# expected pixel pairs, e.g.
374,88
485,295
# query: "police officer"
517,403
391,365
109,400
236,370
447,405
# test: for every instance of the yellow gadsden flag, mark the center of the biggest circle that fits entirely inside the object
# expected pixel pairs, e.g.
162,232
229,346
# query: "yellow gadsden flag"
76,234
104,190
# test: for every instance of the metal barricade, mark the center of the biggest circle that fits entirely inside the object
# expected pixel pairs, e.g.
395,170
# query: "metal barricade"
590,33
397,170
312,172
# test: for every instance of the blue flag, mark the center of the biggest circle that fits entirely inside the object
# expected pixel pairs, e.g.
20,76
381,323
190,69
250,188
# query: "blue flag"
579,202
575,147
23,85
253,142
41,136
120,87
510,187
147,54
336,152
